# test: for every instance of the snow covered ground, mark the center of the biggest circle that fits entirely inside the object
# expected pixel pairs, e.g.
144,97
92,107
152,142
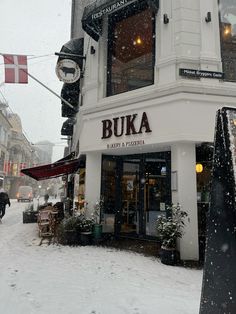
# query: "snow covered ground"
53,279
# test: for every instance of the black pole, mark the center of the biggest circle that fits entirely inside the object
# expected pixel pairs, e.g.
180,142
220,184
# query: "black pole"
219,278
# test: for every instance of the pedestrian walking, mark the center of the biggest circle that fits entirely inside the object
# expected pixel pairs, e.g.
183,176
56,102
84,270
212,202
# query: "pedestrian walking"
4,200
46,198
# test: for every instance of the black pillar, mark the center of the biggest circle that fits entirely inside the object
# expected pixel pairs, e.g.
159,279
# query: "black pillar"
219,279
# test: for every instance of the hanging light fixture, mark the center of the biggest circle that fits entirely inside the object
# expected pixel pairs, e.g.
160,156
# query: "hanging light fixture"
138,41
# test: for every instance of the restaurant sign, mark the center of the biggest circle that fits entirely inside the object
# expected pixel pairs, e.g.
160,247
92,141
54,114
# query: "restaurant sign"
68,71
109,9
201,74
125,125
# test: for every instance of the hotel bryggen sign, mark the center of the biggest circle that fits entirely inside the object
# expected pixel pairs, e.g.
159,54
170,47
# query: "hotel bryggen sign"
109,9
125,125
201,74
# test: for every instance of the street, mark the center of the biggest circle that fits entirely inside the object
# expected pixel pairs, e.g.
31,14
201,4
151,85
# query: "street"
49,279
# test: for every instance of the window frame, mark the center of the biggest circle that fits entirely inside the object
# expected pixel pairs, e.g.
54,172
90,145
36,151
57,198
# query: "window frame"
112,21
223,58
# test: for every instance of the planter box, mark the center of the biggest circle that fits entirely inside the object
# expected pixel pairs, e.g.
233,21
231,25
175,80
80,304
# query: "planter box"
85,238
97,231
168,256
30,217
71,237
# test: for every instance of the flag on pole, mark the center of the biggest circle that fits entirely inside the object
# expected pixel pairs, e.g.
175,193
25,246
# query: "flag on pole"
15,69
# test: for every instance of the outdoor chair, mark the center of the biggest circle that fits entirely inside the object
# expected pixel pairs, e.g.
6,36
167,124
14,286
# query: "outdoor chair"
45,223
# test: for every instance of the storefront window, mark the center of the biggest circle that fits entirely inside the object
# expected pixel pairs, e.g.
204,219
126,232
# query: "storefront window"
227,10
108,181
130,51
204,156
79,191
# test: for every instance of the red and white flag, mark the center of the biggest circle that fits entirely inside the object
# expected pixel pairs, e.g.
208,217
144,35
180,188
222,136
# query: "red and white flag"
15,69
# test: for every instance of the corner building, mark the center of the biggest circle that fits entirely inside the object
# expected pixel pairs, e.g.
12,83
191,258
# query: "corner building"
154,76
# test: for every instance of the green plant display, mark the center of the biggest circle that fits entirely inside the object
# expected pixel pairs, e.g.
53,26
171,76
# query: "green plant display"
169,229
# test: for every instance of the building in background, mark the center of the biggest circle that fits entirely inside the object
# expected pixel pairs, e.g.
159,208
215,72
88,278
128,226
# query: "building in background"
5,130
44,150
21,154
17,152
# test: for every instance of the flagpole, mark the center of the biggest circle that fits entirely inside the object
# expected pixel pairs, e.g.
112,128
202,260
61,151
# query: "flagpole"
49,89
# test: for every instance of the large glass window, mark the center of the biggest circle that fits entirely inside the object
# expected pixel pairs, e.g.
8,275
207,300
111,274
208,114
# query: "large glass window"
131,45
227,9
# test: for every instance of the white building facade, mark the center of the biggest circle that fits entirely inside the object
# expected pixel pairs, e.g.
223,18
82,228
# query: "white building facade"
154,76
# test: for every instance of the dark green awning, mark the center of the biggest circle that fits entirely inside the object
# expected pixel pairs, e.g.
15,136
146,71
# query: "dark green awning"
93,13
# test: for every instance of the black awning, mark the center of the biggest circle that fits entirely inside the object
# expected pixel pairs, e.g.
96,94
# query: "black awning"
93,13
59,168
67,127
70,92
73,46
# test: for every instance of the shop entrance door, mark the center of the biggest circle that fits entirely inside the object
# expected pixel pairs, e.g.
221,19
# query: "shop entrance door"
135,189
130,197
145,193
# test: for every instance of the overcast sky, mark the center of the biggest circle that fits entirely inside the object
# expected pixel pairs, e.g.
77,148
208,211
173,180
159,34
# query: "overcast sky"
36,28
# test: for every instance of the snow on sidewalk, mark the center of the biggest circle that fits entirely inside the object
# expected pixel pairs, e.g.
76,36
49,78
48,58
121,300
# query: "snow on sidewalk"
86,280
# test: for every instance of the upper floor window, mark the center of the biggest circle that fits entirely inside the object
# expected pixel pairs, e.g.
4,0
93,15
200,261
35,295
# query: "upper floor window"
3,136
227,10
131,51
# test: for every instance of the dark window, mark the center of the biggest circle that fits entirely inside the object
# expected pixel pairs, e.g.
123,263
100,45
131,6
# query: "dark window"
109,185
227,11
131,50
2,158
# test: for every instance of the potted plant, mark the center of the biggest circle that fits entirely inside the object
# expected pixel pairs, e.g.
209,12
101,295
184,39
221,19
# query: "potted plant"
68,231
169,229
97,227
85,227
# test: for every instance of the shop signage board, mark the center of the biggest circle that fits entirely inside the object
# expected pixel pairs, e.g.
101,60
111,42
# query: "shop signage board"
201,74
68,71
109,8
125,125
219,288
125,144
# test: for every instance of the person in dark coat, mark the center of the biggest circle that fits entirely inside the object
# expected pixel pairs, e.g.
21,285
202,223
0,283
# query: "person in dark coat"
46,198
4,200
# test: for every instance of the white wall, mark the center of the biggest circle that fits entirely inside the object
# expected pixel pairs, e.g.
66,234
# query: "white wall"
183,161
172,119
92,180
